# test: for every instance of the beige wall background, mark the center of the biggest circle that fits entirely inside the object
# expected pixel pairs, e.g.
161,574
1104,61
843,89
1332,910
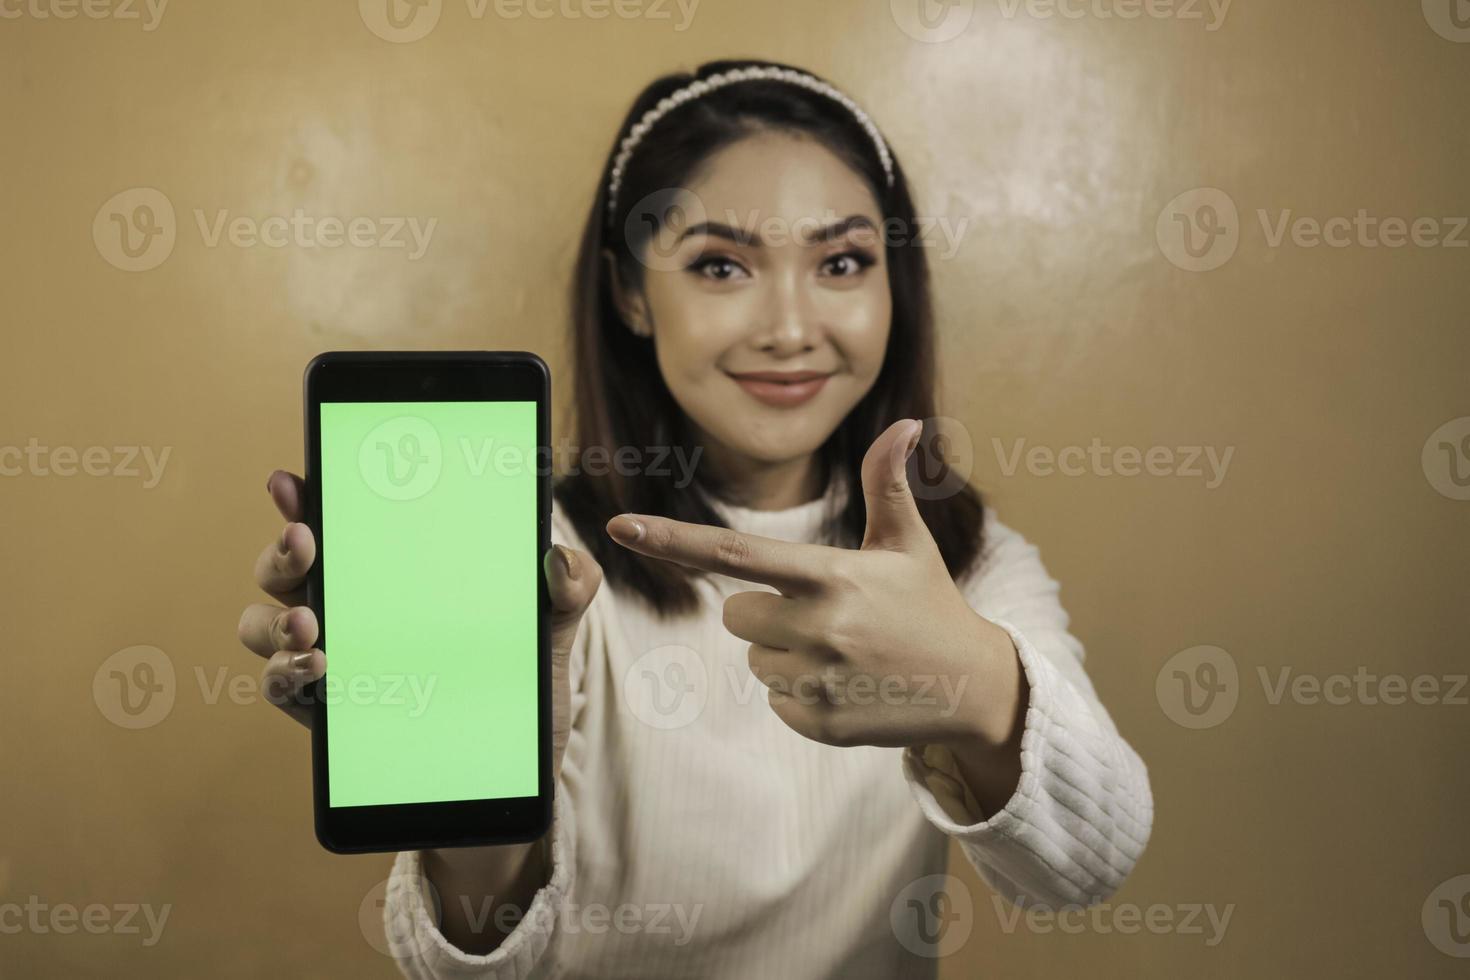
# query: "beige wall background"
1336,541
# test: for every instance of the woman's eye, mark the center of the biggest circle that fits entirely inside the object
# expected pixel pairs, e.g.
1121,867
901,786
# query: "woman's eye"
847,264
718,267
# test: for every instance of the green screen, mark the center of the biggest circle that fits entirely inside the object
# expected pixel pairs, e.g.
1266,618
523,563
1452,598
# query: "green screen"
429,567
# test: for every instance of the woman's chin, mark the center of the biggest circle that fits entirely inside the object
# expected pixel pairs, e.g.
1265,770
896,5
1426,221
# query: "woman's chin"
777,450
768,437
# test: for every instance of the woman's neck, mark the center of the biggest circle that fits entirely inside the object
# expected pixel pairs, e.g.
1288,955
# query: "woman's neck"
761,485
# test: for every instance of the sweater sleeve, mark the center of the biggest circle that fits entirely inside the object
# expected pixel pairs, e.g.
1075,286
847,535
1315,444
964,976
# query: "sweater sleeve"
1082,811
411,910
411,917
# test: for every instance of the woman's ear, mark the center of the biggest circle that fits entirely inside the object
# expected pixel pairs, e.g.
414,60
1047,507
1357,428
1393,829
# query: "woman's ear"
632,307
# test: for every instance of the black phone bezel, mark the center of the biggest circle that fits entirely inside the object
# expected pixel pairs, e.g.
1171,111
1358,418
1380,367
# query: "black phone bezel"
430,376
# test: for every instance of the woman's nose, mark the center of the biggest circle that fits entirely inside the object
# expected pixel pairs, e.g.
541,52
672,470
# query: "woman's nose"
790,322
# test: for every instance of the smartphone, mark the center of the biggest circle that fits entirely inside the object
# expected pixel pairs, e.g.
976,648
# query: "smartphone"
428,490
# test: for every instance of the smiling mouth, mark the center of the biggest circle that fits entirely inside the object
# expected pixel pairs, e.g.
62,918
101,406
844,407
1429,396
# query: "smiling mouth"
782,389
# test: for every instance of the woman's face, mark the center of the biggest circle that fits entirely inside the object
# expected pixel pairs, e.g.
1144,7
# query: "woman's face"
770,308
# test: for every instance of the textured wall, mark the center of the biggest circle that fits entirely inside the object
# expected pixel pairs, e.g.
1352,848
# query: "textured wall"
1072,310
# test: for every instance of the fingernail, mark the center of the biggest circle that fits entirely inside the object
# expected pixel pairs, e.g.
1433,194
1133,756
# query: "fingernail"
625,528
914,440
281,545
568,560
302,660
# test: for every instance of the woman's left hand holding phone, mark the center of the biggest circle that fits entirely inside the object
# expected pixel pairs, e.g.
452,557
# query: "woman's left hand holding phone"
286,635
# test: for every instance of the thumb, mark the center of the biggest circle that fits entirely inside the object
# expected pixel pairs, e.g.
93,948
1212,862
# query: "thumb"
893,517
572,579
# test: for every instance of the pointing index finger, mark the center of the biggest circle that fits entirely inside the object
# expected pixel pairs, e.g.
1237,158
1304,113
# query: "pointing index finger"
790,567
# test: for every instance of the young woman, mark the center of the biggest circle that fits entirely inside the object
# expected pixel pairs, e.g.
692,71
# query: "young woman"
747,296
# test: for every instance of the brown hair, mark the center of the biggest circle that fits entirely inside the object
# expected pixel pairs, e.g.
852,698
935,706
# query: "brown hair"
620,396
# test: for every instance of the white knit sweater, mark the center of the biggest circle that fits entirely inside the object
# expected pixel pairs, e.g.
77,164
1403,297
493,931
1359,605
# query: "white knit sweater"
696,835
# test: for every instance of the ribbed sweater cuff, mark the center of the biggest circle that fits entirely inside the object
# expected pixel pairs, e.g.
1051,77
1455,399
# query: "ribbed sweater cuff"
1081,813
411,918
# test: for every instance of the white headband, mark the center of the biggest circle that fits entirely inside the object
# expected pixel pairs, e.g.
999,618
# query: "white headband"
705,86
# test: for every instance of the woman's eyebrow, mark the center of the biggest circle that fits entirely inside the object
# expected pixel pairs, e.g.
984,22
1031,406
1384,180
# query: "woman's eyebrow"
820,235
851,223
722,231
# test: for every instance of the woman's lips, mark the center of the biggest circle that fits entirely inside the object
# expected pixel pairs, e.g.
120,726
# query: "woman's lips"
782,389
